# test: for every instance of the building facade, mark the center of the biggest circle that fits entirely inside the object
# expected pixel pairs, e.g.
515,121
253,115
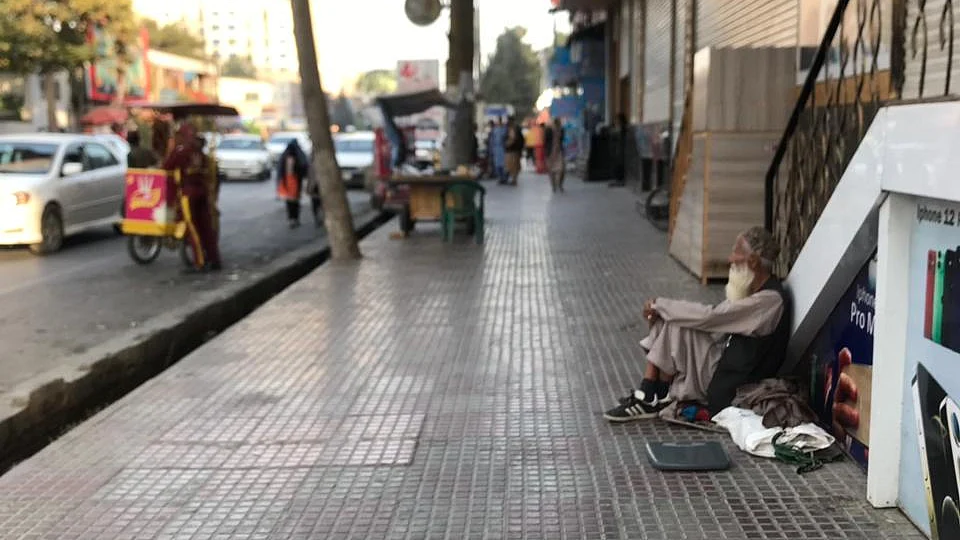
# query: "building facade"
258,30
178,78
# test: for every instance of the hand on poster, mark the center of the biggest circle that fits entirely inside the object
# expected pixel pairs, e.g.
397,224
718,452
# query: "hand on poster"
845,414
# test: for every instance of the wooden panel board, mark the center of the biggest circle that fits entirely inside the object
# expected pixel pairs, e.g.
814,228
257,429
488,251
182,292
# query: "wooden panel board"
687,241
734,198
743,89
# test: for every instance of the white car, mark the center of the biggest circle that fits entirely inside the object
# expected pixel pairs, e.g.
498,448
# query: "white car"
355,155
278,143
119,145
243,157
54,185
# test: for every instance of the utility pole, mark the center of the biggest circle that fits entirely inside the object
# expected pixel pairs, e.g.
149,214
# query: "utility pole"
460,84
337,217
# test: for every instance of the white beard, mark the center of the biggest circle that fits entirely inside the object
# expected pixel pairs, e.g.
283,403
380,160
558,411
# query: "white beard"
739,282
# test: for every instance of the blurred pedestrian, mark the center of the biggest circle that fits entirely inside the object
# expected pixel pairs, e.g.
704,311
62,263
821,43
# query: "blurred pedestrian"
313,191
620,139
188,158
556,163
139,156
529,143
514,148
292,169
498,151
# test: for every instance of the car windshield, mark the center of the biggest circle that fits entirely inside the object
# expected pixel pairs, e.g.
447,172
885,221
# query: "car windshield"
354,146
240,144
26,157
282,139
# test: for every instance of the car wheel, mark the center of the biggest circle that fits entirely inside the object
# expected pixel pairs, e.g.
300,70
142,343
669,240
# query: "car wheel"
51,230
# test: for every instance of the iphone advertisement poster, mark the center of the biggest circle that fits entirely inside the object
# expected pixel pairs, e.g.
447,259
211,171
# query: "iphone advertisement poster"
841,358
930,456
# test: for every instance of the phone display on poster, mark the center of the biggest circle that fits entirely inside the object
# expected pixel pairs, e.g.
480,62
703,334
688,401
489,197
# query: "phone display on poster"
930,454
841,360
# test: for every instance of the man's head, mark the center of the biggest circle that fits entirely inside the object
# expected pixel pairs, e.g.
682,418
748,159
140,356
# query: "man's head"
556,122
187,134
751,262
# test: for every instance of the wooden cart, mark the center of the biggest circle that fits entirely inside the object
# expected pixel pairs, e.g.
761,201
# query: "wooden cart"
423,197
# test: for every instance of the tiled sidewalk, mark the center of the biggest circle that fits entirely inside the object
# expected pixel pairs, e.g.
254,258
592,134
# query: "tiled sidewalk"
429,391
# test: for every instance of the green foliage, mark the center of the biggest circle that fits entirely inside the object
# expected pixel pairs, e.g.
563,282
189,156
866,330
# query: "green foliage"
513,74
377,82
251,127
50,35
11,103
236,66
175,39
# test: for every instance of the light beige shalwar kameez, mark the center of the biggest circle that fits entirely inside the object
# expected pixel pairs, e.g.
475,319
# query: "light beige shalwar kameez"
690,337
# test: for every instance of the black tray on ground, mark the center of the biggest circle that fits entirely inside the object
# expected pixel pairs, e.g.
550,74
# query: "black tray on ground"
688,456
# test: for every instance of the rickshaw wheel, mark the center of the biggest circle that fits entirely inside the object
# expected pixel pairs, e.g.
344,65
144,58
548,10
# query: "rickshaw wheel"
187,255
144,249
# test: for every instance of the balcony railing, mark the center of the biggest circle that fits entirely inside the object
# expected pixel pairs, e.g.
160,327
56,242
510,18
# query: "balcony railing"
872,52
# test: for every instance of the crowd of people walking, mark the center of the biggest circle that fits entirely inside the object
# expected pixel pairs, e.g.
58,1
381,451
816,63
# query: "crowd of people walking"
542,144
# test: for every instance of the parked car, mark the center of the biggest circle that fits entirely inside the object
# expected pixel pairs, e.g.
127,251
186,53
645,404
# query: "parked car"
278,143
243,157
55,185
355,155
118,144
213,140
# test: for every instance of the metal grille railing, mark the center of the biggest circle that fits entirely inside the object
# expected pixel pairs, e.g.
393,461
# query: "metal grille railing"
872,52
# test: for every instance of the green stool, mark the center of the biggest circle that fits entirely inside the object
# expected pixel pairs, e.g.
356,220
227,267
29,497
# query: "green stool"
462,201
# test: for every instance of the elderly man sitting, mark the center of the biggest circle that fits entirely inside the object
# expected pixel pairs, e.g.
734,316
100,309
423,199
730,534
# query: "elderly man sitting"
701,353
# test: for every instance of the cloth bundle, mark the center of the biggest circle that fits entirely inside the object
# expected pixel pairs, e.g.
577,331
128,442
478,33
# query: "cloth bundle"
780,402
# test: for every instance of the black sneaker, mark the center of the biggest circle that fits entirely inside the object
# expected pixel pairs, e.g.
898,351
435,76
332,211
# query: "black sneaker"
636,407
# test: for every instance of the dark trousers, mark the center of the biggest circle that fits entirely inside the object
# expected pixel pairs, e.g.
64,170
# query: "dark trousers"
293,208
204,236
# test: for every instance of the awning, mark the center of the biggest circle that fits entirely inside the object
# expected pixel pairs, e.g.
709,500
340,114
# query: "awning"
183,110
397,105
585,5
105,116
593,32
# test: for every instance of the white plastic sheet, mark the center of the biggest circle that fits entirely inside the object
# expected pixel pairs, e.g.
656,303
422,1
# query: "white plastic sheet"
746,429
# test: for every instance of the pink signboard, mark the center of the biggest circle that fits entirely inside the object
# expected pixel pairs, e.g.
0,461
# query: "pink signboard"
150,196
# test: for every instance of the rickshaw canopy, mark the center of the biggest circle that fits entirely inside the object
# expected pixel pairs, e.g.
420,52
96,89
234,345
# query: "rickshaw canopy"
179,111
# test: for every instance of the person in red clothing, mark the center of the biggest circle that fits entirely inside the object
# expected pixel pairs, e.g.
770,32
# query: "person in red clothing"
188,158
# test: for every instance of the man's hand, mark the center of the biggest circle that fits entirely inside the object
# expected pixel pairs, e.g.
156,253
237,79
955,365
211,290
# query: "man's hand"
650,312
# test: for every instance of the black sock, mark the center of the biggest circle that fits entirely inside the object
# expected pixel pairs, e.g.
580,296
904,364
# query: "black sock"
663,388
649,388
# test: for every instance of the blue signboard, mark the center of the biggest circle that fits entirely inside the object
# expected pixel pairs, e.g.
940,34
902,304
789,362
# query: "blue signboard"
841,359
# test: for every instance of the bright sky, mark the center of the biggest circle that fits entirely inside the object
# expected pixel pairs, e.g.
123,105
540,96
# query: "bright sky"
354,36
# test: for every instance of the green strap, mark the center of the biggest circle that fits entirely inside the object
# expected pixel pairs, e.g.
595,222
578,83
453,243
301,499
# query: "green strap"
805,461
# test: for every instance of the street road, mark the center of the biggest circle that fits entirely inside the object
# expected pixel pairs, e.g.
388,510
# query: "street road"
90,292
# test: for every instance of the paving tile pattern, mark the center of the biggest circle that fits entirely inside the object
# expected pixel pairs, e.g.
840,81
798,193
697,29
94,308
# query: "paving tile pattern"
429,391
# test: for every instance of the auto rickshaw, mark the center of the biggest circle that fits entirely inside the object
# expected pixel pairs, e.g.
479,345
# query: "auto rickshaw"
156,214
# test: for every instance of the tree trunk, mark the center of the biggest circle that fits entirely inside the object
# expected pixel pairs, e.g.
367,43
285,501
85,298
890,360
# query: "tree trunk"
337,216
460,80
50,94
